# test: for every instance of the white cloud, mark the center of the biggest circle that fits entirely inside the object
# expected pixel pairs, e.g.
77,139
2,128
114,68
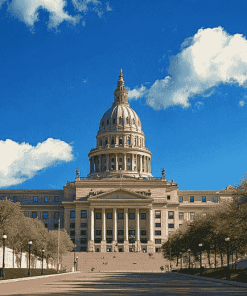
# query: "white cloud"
241,103
28,10
137,93
108,8
209,58
21,161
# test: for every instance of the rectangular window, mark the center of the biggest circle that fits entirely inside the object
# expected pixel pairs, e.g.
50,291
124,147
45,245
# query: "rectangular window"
109,216
120,167
98,216
56,215
83,225
192,199
181,215
143,216
157,224
131,232
15,199
157,250
144,240
215,199
129,159
55,226
120,159
157,214
180,199
3,198
192,215
204,199
97,240
45,215
56,199
112,160
120,232
112,167
179,225
35,198
120,216
98,232
46,199
72,233
168,197
158,241
120,240
157,232
143,232
83,214
170,225
128,168
170,215
131,216
83,232
72,214
34,214
46,225
72,225
109,240
109,232
83,240
83,249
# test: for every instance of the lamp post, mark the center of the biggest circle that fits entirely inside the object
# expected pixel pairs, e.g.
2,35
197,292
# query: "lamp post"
170,254
30,244
227,239
181,258
77,263
74,257
4,238
200,246
42,271
189,257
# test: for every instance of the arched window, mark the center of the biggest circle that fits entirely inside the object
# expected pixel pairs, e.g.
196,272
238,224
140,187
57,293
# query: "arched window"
100,142
135,141
106,141
120,141
114,120
120,119
112,141
128,140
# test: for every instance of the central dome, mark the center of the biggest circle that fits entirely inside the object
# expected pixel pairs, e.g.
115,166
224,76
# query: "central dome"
120,143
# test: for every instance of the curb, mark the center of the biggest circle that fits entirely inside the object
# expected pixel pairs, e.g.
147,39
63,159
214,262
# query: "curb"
33,277
237,284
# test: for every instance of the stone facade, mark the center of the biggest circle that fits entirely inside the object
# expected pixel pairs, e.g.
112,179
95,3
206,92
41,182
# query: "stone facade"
119,206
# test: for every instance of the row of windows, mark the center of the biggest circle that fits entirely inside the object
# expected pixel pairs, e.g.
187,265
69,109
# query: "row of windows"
84,225
45,215
127,120
120,241
203,199
108,215
35,198
120,232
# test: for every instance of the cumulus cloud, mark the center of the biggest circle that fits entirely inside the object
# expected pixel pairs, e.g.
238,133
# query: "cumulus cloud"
28,10
22,161
137,93
241,103
209,58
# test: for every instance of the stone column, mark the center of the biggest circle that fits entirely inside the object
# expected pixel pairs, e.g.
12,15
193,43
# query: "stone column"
132,162
114,224
145,164
90,164
151,229
137,224
140,163
126,225
116,161
100,161
93,163
92,224
124,162
103,225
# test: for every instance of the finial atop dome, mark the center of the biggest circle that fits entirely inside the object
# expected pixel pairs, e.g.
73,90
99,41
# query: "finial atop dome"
120,79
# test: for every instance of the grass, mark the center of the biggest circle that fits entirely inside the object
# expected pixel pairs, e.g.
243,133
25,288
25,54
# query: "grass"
14,273
238,275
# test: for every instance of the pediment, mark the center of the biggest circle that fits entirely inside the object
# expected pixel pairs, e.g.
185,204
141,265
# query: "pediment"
120,194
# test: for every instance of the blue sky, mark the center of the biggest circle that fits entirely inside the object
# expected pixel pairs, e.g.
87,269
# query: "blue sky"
184,61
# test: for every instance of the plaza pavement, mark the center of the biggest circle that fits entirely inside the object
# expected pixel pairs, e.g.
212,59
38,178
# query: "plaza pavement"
120,284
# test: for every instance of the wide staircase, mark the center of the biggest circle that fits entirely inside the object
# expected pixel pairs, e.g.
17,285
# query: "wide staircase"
114,262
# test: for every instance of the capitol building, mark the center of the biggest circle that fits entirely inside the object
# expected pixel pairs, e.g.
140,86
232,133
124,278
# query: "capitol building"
119,206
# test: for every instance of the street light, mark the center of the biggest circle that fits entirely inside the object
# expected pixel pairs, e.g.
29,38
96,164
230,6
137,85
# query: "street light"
227,239
74,257
200,246
42,271
4,238
30,244
189,257
77,263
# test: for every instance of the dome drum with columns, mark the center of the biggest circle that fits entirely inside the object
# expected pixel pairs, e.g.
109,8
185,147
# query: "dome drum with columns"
120,141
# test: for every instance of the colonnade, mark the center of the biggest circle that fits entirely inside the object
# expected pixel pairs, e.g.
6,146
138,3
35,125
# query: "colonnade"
121,140
126,224
134,162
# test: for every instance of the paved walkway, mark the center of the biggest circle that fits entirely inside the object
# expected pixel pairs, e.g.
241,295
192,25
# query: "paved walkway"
119,284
